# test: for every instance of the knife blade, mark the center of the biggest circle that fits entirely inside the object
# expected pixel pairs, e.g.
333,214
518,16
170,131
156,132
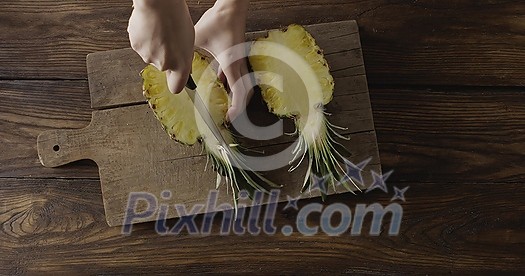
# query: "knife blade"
203,111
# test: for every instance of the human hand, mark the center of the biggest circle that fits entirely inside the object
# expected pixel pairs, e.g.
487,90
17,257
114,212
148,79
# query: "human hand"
162,33
221,28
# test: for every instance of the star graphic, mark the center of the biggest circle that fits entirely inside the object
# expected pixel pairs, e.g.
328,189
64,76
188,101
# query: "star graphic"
399,193
319,183
353,171
379,181
292,202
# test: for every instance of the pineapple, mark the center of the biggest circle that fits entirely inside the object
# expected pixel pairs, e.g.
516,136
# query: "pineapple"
295,81
183,123
306,86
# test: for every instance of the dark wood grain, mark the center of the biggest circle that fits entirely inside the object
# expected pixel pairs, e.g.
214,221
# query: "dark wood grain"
467,42
460,149
29,107
455,134
58,226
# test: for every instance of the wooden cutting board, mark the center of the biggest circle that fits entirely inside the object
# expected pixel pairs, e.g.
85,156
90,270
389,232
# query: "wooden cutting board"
134,154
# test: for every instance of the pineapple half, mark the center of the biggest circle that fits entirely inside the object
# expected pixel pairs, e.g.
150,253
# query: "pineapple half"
182,122
295,81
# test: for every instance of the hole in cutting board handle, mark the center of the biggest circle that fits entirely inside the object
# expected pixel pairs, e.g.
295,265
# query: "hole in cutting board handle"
56,148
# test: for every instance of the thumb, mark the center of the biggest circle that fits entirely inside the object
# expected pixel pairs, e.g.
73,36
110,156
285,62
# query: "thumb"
176,80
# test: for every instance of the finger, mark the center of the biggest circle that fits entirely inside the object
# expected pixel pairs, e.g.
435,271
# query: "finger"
176,80
238,91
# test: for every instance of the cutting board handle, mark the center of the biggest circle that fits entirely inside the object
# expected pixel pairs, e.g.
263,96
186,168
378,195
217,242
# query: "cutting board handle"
60,147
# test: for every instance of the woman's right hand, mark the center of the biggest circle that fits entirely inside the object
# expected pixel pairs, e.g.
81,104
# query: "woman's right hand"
219,31
162,33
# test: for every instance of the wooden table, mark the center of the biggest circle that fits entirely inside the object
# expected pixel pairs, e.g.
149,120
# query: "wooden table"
447,89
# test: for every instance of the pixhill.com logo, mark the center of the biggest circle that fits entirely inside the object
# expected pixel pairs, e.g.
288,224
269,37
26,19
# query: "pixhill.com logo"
260,217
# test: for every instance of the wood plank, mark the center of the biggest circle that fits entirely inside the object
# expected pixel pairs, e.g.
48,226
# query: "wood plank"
469,42
57,226
439,135
453,135
29,107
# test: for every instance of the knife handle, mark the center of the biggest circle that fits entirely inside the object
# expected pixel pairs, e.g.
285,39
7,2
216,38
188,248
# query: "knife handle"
190,84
